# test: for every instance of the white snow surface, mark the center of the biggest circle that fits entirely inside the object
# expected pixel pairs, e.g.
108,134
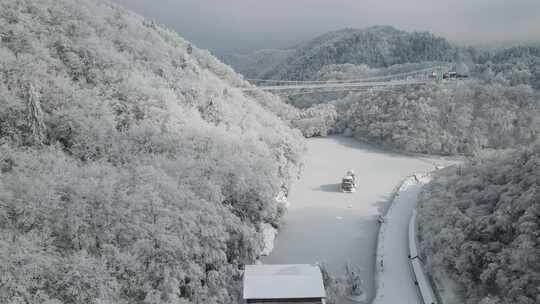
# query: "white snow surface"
323,224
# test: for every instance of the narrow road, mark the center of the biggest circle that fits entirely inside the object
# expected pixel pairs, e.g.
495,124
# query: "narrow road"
325,225
395,281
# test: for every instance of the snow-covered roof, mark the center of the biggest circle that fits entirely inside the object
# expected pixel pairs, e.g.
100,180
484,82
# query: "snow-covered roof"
283,282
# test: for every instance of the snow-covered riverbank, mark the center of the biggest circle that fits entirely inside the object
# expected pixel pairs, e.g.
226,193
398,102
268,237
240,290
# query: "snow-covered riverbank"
324,225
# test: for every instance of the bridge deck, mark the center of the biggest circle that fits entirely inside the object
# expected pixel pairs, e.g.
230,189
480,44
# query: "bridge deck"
337,85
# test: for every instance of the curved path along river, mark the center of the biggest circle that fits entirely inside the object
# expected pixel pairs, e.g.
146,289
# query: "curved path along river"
323,224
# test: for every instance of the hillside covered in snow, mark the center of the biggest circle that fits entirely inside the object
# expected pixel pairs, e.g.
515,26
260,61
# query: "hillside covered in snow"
496,107
479,227
377,46
131,168
448,118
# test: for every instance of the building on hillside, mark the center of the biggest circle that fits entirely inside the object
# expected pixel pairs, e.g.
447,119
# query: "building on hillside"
283,284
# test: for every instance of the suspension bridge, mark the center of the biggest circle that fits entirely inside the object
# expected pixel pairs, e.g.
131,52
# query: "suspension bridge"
386,82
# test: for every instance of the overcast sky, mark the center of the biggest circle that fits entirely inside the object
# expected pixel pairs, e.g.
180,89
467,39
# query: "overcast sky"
242,25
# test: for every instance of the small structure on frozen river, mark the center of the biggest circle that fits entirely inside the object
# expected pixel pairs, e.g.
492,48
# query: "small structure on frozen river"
272,284
348,183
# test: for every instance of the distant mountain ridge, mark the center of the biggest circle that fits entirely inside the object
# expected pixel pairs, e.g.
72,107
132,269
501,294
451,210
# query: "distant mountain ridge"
377,46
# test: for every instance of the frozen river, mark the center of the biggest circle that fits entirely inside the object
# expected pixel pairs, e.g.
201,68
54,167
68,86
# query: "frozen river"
325,225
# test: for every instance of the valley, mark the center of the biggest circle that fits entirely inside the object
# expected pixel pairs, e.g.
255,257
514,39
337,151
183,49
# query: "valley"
138,168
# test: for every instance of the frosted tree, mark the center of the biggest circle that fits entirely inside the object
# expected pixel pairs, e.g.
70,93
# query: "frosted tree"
34,115
353,278
333,285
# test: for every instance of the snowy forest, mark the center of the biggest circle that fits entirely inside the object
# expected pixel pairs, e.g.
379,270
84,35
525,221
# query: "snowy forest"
496,108
448,119
478,224
490,111
131,170
376,46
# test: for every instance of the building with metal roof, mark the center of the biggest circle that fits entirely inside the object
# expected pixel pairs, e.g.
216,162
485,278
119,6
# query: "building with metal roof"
295,283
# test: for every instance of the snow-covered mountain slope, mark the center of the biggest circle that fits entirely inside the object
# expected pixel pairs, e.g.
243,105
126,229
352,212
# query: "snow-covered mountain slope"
377,46
132,170
479,226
